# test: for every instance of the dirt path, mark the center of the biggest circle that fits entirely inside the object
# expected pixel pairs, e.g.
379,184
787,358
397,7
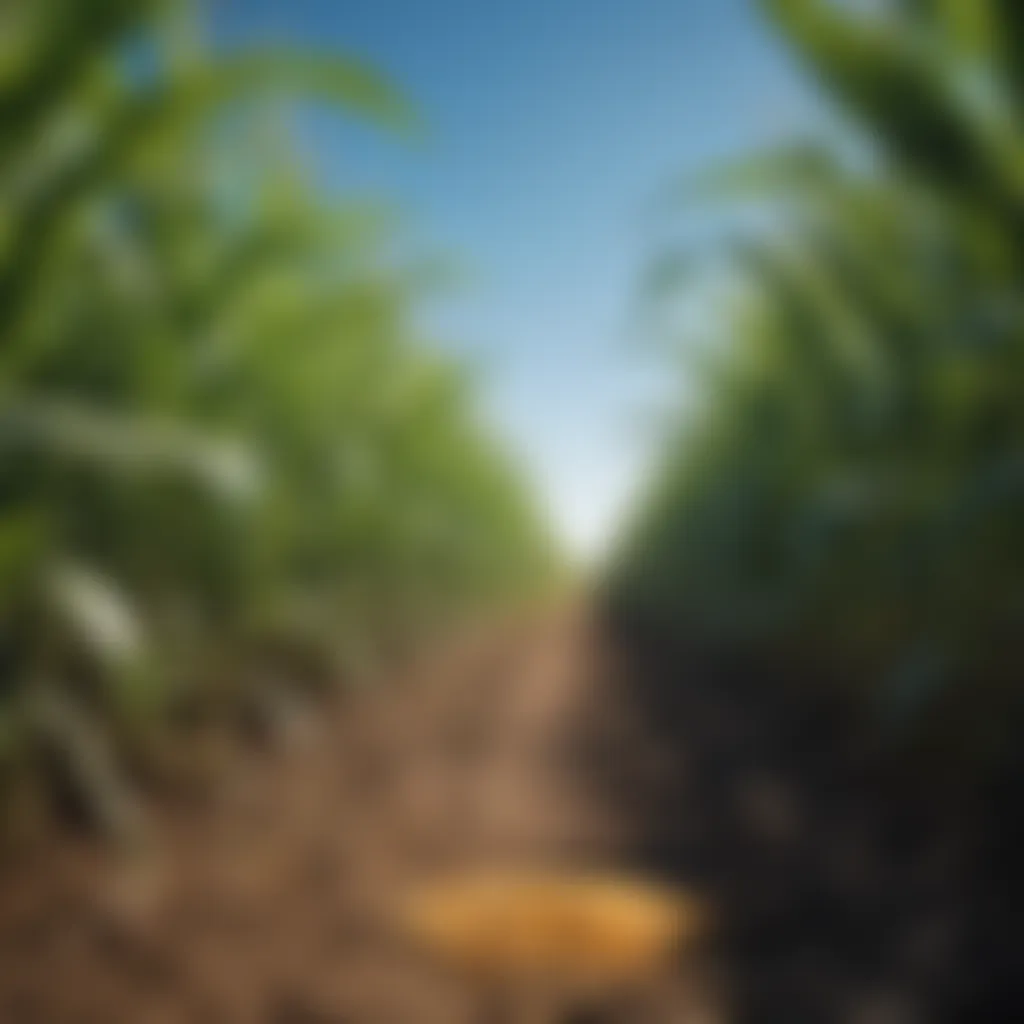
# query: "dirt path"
531,745
270,904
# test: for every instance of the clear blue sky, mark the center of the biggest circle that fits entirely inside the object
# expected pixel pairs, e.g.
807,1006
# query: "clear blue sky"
552,125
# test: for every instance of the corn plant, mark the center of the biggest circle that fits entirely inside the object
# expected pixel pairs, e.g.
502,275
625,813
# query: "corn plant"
847,495
228,452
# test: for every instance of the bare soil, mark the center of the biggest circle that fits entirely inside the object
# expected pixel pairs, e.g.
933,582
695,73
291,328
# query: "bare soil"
843,895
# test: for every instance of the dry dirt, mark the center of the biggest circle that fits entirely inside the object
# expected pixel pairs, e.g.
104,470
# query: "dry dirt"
840,899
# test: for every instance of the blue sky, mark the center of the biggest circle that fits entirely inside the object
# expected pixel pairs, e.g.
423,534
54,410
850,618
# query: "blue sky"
552,125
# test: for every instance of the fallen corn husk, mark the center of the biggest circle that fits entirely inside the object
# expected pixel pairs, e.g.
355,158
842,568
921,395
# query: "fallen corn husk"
568,928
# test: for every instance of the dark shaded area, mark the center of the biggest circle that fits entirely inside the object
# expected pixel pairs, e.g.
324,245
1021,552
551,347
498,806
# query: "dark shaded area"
853,886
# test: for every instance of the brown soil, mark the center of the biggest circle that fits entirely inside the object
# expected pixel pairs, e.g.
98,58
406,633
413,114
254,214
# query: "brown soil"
841,897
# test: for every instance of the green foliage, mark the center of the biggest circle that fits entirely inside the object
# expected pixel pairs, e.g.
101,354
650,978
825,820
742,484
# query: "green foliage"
848,494
222,435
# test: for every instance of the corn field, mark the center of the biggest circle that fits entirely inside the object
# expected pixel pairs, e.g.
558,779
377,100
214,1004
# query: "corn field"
845,494
232,466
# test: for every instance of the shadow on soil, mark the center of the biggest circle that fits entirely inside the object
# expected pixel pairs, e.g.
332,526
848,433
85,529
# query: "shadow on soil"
847,892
